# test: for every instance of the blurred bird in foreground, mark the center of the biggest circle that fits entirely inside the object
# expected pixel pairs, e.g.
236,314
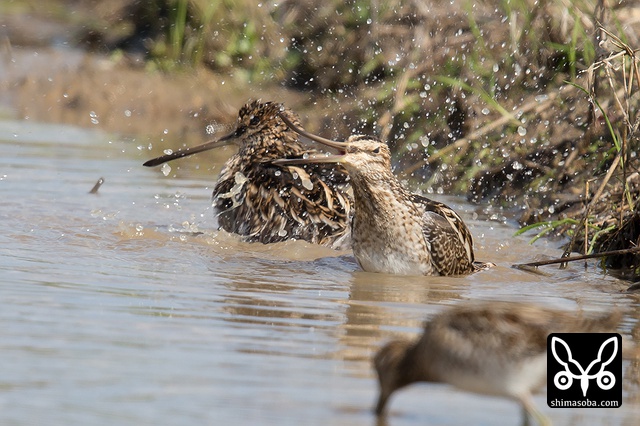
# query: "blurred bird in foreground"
269,203
491,348
394,231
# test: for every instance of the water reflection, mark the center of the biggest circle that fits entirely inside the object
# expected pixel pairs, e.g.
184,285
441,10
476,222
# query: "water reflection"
380,306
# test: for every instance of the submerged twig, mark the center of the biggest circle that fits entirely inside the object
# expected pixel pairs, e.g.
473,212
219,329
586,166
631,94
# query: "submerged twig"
97,186
581,257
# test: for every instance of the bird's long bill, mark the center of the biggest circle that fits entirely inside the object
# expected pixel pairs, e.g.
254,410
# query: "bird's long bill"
308,160
225,140
382,403
342,146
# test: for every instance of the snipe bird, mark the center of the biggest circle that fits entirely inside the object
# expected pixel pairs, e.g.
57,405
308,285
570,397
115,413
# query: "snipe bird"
490,348
269,203
394,231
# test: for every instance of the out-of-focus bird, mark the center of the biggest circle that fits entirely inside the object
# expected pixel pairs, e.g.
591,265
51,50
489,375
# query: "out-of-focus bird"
491,348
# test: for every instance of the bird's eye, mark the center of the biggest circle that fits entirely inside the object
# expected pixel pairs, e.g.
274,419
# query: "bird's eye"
254,120
376,151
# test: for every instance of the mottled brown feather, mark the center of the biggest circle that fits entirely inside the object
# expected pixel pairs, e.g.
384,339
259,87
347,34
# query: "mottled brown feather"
394,231
268,203
494,348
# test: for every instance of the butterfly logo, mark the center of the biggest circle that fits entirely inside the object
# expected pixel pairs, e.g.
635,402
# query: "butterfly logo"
564,379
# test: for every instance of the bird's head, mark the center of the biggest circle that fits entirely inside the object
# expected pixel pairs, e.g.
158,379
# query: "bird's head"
259,131
359,153
388,365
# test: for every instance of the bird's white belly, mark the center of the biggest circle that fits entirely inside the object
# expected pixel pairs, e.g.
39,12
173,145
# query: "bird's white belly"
513,380
390,244
393,262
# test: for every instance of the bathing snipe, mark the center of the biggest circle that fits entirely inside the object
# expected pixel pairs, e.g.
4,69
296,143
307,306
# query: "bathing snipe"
491,348
270,203
395,231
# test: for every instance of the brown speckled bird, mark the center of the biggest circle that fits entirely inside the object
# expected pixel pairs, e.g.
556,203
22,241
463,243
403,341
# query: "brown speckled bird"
491,348
270,203
394,231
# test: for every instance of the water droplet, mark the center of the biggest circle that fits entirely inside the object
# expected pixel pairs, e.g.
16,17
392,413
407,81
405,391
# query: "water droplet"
168,151
307,184
522,131
282,233
165,169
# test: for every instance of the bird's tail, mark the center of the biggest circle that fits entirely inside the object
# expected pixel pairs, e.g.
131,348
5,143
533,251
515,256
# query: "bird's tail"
481,266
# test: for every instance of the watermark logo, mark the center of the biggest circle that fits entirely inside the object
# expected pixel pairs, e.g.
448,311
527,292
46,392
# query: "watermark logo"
584,370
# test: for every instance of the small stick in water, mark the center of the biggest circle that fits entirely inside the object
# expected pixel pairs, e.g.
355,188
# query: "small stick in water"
97,186
574,258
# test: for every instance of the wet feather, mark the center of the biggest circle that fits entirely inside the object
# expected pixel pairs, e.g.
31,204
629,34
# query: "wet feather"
393,230
268,203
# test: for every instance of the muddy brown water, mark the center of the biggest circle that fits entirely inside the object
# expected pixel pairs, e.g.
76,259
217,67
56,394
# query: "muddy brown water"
128,307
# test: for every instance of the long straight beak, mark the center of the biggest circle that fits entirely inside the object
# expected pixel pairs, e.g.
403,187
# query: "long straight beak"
308,160
342,146
381,404
225,140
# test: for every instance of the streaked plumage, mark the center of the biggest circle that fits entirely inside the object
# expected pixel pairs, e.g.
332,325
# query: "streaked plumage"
393,230
269,203
492,348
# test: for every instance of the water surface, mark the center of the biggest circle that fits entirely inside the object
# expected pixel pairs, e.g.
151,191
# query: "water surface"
128,307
